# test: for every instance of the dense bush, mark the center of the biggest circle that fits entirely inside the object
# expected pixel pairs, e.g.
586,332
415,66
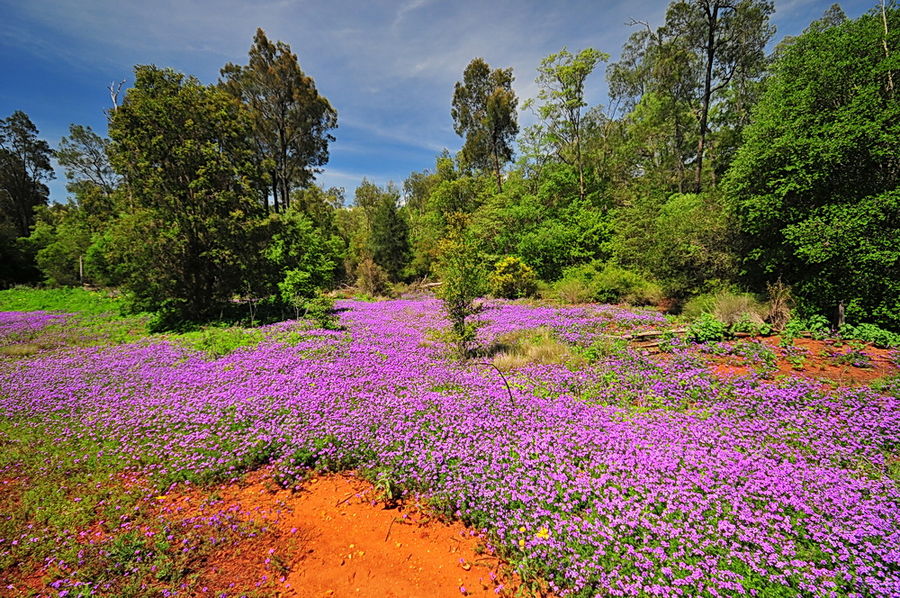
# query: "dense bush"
512,279
606,283
814,187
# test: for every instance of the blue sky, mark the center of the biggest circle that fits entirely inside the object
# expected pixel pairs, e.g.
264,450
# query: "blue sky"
387,67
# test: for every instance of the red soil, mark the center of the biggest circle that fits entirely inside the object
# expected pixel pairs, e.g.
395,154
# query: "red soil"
818,363
333,538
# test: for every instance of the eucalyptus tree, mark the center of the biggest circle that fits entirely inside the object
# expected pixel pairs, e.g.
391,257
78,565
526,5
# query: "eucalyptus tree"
708,53
24,169
655,83
291,120
729,37
560,80
484,111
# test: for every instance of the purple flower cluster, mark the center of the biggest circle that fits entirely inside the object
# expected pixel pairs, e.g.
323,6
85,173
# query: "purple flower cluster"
628,477
17,326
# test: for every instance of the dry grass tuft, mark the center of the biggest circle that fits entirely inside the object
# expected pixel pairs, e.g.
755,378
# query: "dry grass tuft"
20,350
730,308
526,347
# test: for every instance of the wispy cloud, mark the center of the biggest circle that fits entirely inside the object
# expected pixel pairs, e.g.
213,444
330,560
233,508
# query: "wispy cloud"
388,67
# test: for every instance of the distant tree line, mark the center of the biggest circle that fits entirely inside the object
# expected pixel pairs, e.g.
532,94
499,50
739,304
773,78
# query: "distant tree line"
714,165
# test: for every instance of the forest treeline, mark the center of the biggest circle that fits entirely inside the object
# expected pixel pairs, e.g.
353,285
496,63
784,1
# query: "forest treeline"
713,166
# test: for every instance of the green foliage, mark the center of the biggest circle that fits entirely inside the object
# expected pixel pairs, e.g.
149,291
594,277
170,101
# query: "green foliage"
512,279
682,241
707,329
484,111
69,300
463,280
871,333
320,310
389,235
597,282
816,325
299,256
814,187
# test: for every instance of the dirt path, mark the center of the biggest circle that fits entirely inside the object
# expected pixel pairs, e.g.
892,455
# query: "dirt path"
333,539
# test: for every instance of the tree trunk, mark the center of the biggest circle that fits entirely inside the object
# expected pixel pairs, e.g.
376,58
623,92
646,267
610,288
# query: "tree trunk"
497,170
711,18
275,191
581,191
890,75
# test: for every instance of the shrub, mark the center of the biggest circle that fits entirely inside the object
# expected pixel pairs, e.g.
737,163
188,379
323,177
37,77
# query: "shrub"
372,280
779,305
320,310
817,326
606,283
727,307
706,329
570,290
512,279
871,333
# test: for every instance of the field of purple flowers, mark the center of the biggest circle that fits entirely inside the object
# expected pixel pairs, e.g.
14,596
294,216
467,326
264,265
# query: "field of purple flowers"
616,474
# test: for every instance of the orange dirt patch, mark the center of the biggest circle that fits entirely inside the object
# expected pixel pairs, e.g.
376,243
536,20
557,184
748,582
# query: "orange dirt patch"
334,538
819,360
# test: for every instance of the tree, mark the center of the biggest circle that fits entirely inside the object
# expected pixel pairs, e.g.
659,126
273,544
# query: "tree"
815,185
24,167
730,37
463,280
185,149
561,78
84,156
290,119
390,235
384,237
301,256
484,111
656,83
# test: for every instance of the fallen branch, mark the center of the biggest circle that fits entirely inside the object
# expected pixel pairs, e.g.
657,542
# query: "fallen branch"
505,381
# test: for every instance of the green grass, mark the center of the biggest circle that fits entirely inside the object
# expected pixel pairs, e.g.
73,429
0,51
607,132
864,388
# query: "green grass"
65,299
71,497
218,342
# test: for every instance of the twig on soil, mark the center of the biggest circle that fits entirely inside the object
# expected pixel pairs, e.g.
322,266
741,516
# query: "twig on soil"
345,499
388,534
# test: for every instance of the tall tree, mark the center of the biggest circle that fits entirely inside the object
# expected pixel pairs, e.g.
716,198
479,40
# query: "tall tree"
561,78
185,149
291,121
730,37
815,185
24,168
656,83
84,156
484,112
